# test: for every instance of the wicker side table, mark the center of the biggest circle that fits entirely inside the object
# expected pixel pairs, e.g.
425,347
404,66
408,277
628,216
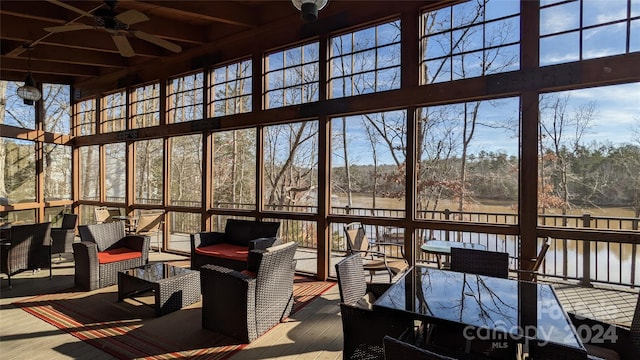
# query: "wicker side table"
174,287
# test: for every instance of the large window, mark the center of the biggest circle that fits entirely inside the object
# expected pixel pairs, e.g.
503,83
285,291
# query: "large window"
589,155
185,98
186,170
230,89
468,159
234,169
113,114
149,176
365,61
116,174
145,106
57,172
90,173
57,109
18,166
368,164
13,110
85,117
291,76
291,167
587,29
470,39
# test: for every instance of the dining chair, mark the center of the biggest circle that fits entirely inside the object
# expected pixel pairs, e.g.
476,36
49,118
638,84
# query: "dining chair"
374,260
489,263
148,223
609,341
363,328
102,215
532,273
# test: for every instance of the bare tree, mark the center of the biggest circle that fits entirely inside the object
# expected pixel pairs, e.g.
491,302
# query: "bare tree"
561,135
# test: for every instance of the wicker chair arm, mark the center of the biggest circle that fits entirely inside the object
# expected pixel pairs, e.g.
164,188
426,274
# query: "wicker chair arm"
87,273
86,249
263,243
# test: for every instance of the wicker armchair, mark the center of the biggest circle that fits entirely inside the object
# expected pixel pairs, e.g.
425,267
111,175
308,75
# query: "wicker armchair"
244,305
363,329
28,249
472,261
104,250
62,238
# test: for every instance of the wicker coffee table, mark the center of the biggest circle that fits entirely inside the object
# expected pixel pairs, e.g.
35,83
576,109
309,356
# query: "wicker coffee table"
174,287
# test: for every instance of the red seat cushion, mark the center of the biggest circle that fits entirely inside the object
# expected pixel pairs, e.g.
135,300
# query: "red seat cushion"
118,254
226,251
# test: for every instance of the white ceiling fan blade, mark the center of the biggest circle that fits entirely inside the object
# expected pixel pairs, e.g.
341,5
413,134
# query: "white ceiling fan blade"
70,27
123,45
70,7
157,41
131,17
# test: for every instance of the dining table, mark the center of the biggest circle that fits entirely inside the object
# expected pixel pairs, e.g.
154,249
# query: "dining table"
504,312
443,248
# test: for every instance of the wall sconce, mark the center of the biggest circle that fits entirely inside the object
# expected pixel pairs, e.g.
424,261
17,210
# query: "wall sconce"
309,8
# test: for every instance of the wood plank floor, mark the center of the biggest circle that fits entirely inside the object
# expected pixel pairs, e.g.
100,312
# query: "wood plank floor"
314,332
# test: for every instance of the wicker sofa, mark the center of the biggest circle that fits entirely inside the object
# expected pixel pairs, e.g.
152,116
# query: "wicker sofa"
103,250
231,248
244,305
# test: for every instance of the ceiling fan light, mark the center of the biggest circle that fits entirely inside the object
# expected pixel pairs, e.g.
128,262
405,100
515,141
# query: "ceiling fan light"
309,8
29,92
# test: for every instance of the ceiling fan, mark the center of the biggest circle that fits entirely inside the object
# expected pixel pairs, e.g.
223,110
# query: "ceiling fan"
116,24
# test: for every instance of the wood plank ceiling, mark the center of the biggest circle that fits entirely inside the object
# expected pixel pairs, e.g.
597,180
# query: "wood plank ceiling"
78,56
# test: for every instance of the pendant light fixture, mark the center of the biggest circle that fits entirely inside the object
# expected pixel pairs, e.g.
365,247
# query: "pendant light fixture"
29,92
309,8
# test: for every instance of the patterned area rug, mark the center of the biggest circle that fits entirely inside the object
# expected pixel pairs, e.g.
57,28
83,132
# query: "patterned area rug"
130,330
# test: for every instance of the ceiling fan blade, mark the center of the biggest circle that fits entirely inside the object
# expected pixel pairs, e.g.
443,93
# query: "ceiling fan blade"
123,45
70,27
131,17
16,51
157,41
70,7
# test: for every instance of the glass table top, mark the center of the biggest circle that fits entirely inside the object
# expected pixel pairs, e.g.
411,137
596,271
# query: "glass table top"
482,302
156,272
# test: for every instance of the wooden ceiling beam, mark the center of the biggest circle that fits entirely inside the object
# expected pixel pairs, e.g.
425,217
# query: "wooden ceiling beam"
48,67
228,12
45,53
